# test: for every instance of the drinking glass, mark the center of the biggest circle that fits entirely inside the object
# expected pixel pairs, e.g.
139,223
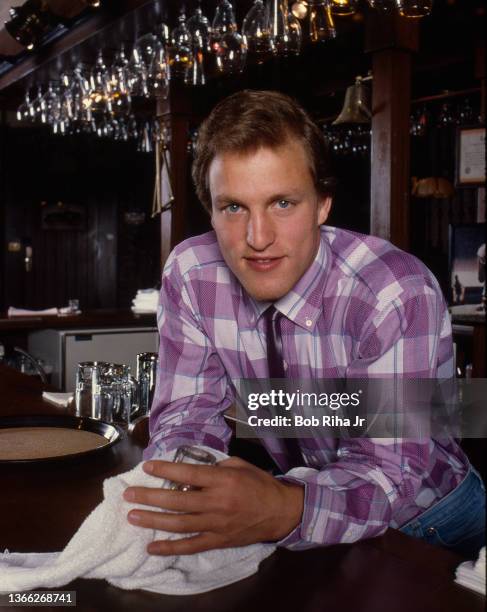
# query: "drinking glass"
158,73
119,71
192,455
227,45
465,113
144,138
87,375
37,105
146,376
24,110
321,25
199,28
446,116
383,6
118,393
295,35
255,30
137,73
80,92
180,51
343,7
414,8
419,122
51,104
99,86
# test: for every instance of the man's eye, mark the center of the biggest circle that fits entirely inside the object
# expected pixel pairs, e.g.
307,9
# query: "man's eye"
232,208
283,204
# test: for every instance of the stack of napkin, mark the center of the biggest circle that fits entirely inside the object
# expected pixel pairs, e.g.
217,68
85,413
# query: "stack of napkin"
472,574
145,301
107,546
23,312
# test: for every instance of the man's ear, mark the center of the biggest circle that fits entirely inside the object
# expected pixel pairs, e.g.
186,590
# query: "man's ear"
324,206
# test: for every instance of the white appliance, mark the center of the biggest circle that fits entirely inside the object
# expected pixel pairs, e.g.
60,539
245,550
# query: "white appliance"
63,349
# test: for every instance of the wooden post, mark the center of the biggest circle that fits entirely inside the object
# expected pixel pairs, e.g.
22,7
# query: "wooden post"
176,112
391,40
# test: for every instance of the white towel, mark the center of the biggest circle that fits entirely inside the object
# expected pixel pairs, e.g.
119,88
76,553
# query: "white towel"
472,574
58,399
22,312
108,546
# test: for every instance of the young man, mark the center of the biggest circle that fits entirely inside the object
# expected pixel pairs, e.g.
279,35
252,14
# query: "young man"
351,306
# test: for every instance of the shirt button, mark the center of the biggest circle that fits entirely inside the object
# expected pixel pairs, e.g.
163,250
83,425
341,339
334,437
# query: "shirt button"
309,322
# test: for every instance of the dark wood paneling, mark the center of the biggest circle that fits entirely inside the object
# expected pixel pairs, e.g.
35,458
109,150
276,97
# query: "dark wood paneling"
106,179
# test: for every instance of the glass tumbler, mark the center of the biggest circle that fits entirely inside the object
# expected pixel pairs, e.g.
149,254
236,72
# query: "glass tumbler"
87,376
146,376
193,455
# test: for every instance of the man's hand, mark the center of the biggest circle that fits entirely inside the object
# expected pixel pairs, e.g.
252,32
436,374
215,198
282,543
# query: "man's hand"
237,504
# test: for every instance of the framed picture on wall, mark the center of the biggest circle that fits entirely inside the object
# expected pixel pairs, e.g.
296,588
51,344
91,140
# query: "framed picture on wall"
467,263
470,170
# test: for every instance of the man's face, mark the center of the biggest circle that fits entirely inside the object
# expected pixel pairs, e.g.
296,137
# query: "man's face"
266,214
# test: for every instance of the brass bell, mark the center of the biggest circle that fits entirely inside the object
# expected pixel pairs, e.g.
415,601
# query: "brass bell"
356,106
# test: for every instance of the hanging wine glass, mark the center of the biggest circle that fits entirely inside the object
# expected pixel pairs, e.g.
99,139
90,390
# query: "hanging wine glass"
118,91
255,30
137,73
80,92
465,113
104,128
24,110
51,108
180,51
343,7
118,73
383,6
198,72
67,103
321,25
99,86
37,105
419,122
446,116
122,133
144,141
147,47
227,45
295,35
199,28
414,8
158,73
284,29
132,128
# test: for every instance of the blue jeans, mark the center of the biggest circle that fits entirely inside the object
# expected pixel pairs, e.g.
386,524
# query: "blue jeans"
457,521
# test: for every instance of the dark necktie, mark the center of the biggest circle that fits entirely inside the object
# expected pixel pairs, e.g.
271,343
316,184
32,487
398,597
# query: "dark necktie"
276,370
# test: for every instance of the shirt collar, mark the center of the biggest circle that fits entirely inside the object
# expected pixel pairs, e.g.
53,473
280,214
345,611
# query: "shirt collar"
303,304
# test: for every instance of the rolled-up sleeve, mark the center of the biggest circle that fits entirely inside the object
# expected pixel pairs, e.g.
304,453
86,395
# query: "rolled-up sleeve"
192,389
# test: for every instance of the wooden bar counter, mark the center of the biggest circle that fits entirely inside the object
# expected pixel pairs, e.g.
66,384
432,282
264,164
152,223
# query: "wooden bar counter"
43,504
93,318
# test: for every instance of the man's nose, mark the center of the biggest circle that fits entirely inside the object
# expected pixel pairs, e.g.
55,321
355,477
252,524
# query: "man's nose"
260,232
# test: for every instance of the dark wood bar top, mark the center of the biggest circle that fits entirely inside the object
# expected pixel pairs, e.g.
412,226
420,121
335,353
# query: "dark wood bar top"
44,504
89,319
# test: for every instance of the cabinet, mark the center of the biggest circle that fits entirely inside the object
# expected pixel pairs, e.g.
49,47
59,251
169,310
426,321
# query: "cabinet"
64,349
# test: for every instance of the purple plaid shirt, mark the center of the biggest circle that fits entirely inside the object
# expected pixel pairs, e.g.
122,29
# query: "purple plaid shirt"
363,309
